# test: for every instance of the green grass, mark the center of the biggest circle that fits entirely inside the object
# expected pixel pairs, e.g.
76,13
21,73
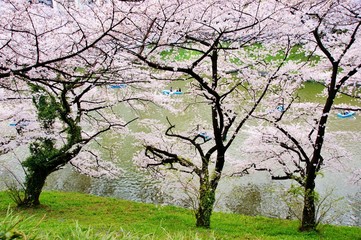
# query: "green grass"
312,93
80,216
180,54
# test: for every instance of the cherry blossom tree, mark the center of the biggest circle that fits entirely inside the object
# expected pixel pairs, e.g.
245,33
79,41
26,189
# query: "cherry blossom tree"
226,72
60,80
331,31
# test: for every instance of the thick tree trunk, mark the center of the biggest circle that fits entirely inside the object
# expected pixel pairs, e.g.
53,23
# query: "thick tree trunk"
308,222
34,184
309,210
308,214
37,174
205,205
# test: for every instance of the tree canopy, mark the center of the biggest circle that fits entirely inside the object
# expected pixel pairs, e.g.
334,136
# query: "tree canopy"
64,71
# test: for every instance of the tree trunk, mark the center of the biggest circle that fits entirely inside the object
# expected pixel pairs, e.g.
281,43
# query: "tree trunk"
309,210
34,184
205,205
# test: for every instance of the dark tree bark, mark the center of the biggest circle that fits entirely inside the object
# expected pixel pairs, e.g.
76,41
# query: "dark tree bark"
308,222
205,205
34,184
212,46
44,160
306,173
45,157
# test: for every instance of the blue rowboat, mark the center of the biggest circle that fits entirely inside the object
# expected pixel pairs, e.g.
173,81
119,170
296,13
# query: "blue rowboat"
346,114
117,86
280,108
168,92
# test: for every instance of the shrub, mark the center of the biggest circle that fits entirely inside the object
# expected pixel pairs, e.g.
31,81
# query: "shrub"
15,227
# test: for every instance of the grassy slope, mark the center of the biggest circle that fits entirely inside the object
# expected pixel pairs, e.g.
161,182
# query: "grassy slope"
62,210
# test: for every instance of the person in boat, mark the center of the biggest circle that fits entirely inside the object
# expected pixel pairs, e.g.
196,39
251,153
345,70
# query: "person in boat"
280,107
20,125
202,134
171,89
179,90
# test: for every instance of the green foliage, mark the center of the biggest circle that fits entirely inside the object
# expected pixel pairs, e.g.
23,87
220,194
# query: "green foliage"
297,191
313,92
104,218
78,233
46,105
294,198
180,54
15,227
16,193
206,203
41,151
296,54
45,157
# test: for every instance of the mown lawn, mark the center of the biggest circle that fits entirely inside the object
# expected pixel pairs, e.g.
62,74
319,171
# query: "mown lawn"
69,215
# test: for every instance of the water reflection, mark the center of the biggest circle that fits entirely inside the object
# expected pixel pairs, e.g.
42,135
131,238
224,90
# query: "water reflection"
253,194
